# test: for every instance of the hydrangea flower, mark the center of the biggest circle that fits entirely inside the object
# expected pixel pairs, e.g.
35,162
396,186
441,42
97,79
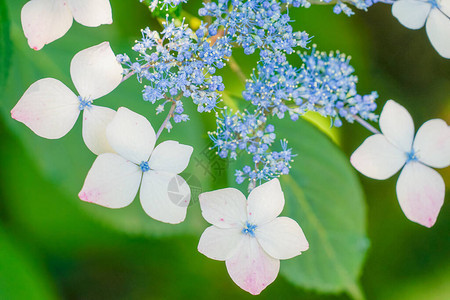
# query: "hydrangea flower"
325,83
434,14
256,24
114,179
178,63
248,235
420,189
44,21
50,109
328,86
249,132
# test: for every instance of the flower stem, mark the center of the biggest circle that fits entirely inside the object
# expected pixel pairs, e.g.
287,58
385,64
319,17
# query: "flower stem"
169,115
146,66
127,76
366,125
236,69
321,2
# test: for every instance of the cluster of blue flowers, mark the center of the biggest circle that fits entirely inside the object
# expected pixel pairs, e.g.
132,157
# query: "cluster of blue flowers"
325,83
162,4
241,131
341,6
256,24
268,165
328,86
249,133
179,63
252,25
274,86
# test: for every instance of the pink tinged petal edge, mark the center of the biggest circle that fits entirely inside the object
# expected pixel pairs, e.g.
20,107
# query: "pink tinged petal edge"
44,21
170,156
48,108
165,197
377,158
131,135
397,125
219,243
95,71
411,13
282,238
111,182
438,31
95,120
91,13
420,192
265,202
432,143
224,208
251,268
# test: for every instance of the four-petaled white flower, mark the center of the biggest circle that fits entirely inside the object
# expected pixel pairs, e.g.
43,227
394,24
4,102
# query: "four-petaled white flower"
414,14
44,21
248,235
50,109
114,179
420,189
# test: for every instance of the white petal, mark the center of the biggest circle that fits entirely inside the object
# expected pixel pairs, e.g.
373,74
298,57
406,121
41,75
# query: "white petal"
164,196
91,13
265,202
397,125
95,71
251,268
444,6
377,158
411,13
44,21
170,156
131,135
48,107
224,208
219,243
438,30
420,192
112,181
282,238
432,143
95,120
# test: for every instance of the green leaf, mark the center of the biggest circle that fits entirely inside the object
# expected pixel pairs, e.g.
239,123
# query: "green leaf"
324,196
21,277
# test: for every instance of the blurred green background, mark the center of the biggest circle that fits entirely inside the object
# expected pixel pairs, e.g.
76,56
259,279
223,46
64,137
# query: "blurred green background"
53,246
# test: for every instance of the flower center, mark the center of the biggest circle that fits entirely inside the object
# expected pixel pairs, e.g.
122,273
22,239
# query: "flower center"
434,3
249,229
144,166
411,156
84,102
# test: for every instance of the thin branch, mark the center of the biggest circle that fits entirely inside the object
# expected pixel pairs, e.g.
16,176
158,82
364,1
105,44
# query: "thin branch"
144,67
127,76
366,125
169,115
235,67
321,2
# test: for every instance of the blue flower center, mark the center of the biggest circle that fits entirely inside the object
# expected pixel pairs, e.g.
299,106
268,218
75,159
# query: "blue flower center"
411,156
144,166
434,3
84,102
249,229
